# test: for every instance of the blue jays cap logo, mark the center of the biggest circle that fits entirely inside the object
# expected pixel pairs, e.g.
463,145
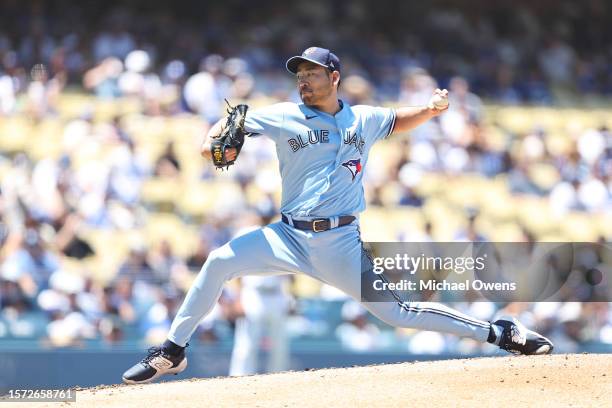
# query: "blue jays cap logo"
354,166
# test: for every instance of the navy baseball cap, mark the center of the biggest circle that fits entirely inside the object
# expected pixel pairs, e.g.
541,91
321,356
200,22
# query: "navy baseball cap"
317,55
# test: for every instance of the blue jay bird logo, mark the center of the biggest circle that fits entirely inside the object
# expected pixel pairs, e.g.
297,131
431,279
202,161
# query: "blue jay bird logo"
354,166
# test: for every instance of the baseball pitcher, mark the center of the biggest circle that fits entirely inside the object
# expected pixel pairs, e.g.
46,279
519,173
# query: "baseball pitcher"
322,146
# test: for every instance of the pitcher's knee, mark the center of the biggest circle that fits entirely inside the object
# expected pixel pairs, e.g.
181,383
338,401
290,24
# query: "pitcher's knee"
218,263
391,313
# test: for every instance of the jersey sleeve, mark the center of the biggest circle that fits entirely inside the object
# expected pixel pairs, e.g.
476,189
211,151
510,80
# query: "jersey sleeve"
265,121
379,122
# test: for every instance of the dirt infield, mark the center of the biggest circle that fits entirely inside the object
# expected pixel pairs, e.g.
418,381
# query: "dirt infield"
576,380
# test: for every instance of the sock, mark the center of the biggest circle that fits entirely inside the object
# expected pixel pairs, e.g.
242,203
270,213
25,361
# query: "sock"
495,333
172,348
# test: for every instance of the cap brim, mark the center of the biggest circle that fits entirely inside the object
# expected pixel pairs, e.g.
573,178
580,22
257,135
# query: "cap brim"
293,62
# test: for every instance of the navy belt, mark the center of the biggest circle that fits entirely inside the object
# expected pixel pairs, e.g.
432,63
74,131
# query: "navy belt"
318,225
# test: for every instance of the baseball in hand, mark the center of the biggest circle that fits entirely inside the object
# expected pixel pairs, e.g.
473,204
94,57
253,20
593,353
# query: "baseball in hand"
439,100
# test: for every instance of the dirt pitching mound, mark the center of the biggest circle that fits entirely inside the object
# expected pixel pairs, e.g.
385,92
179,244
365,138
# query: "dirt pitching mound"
578,380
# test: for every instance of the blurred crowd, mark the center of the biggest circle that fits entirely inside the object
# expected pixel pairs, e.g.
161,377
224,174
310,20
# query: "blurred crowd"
48,49
510,51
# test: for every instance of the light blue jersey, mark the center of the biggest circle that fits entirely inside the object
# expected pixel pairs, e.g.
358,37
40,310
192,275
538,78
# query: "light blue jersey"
321,156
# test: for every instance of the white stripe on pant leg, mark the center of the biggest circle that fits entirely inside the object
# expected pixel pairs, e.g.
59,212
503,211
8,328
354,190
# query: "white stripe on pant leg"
435,317
444,310
435,307
359,271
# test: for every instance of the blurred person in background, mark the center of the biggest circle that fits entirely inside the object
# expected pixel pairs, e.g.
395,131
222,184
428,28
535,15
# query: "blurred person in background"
242,83
18,316
356,333
173,79
164,261
33,262
205,90
103,78
115,40
136,266
199,256
464,101
69,324
416,87
111,330
68,240
168,165
140,81
264,303
470,232
43,92
156,321
7,94
122,300
358,90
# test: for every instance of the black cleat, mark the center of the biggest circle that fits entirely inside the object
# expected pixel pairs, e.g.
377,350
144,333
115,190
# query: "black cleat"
517,339
156,364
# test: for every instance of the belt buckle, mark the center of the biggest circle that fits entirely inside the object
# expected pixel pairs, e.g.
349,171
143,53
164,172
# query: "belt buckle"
314,226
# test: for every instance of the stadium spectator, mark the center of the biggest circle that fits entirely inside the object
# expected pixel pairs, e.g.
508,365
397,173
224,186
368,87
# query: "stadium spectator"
470,233
136,266
204,91
356,333
167,164
103,78
33,260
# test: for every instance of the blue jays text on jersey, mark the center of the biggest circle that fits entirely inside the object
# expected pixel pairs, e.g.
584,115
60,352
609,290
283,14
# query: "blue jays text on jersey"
353,139
312,137
315,149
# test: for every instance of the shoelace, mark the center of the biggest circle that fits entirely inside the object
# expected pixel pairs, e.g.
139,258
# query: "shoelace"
513,340
518,336
153,352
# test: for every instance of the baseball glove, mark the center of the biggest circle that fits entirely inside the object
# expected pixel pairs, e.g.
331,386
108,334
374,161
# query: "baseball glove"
232,136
